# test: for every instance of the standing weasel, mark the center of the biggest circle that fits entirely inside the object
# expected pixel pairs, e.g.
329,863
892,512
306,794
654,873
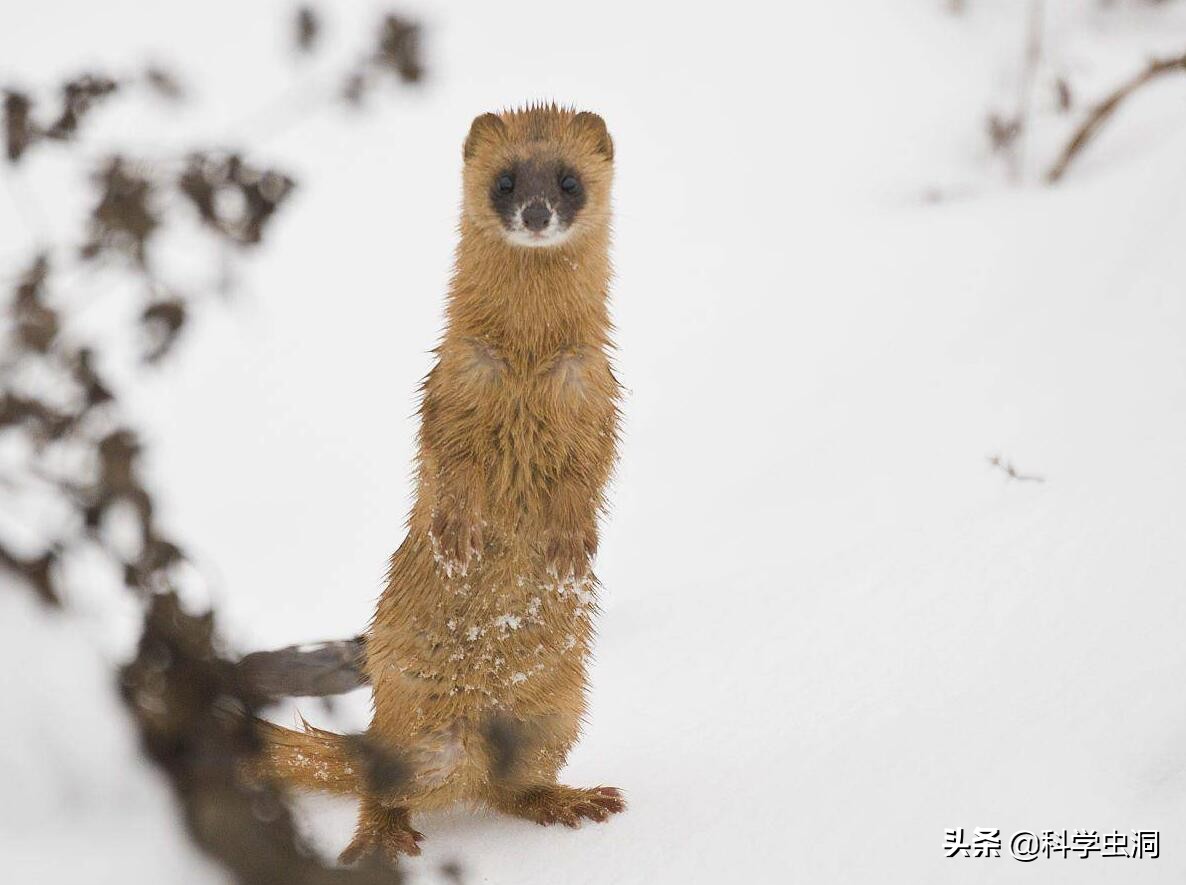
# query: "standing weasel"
476,654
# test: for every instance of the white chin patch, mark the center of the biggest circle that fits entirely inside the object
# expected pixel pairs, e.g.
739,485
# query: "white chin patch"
552,235
546,237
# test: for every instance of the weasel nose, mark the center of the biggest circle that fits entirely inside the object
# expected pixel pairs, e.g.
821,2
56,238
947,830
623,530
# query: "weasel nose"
536,216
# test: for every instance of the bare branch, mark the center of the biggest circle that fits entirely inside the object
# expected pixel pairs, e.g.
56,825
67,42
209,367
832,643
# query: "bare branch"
1012,472
1103,111
195,714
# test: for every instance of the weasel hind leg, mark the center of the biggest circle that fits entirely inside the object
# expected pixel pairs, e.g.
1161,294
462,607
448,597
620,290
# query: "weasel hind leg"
558,804
383,829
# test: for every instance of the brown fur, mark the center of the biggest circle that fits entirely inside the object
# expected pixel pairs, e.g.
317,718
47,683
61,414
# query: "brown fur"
477,651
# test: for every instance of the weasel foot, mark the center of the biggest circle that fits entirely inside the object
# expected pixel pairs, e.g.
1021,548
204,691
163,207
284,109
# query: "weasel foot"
386,830
558,804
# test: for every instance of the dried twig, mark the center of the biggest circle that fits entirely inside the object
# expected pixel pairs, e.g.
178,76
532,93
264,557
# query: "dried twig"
1012,472
1103,111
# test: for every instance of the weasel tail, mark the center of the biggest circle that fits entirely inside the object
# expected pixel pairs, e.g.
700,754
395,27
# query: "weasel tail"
477,651
311,759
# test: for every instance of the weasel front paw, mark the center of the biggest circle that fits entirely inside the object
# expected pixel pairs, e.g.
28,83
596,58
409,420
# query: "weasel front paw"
568,554
456,540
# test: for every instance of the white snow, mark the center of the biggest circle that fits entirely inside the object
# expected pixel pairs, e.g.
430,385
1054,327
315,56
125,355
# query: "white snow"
830,630
507,623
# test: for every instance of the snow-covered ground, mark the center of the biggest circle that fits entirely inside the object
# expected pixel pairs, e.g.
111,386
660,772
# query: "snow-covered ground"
831,629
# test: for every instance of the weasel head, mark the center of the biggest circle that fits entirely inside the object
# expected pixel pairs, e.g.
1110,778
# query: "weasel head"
538,177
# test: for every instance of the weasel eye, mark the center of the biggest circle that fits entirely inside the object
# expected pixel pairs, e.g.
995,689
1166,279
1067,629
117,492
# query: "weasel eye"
506,183
569,184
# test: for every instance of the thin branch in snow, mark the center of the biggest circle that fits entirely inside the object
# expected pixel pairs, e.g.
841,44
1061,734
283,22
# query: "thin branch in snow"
1103,111
1012,472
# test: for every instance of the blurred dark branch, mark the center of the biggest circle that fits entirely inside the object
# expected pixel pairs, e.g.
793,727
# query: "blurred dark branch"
78,97
75,454
18,128
164,83
35,572
398,52
1102,112
195,711
395,54
308,27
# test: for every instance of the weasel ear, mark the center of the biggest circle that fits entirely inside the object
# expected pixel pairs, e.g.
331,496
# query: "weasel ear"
485,126
595,126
